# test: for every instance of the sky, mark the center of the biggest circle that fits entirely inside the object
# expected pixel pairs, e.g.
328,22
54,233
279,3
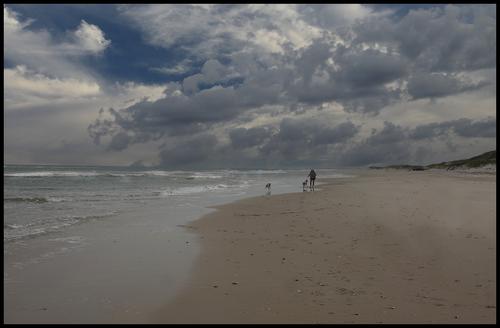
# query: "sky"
219,86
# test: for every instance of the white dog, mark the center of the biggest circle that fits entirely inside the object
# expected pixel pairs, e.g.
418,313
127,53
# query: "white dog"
268,188
304,185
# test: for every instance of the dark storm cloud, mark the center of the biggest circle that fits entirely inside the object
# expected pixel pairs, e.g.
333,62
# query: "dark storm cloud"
245,138
388,145
391,133
438,39
366,68
180,113
393,144
312,58
464,127
188,153
357,81
171,116
297,138
421,55
348,73
425,85
480,129
340,133
119,141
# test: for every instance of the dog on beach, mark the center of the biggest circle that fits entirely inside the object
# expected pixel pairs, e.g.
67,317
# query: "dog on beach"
268,188
304,185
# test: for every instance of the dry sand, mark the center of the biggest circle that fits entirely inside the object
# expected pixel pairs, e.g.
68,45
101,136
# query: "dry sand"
384,247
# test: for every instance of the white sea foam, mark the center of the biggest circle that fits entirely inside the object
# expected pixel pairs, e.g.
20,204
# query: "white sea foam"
47,225
192,190
206,175
161,173
43,174
154,173
57,199
38,200
12,226
337,175
259,172
70,240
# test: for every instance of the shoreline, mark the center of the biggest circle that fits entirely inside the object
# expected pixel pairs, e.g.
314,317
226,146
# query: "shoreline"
114,270
377,248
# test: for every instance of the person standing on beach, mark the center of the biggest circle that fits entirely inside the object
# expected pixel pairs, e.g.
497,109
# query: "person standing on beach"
312,177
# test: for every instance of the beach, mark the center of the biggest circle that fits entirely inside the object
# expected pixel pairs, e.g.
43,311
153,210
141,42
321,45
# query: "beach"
387,246
90,244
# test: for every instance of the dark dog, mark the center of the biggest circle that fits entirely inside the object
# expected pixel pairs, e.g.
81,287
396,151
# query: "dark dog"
268,188
304,185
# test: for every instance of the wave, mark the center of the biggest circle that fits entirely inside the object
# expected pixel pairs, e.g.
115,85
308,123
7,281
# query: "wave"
26,199
192,190
50,174
45,174
17,231
11,226
204,176
259,172
338,175
152,173
37,200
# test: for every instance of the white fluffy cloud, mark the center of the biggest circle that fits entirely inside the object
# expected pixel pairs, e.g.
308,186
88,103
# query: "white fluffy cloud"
39,51
24,88
205,30
91,38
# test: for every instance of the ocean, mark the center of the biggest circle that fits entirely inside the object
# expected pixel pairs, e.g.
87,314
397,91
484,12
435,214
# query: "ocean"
46,199
88,244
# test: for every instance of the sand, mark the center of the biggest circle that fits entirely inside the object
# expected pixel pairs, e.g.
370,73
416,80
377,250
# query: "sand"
384,247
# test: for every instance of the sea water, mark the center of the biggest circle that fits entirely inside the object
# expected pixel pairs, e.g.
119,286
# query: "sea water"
46,199
87,244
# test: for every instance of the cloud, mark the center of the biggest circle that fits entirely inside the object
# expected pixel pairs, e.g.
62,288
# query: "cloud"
445,39
119,141
362,71
180,68
38,50
467,128
333,15
394,144
340,133
190,152
433,85
357,79
24,88
212,73
370,67
480,129
245,138
208,31
266,84
299,138
12,21
91,38
176,114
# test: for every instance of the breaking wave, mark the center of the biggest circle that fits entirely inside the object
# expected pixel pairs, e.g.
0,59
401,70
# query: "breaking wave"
19,231
192,190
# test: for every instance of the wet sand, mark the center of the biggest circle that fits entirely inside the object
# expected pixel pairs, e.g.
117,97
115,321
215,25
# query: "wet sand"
384,247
